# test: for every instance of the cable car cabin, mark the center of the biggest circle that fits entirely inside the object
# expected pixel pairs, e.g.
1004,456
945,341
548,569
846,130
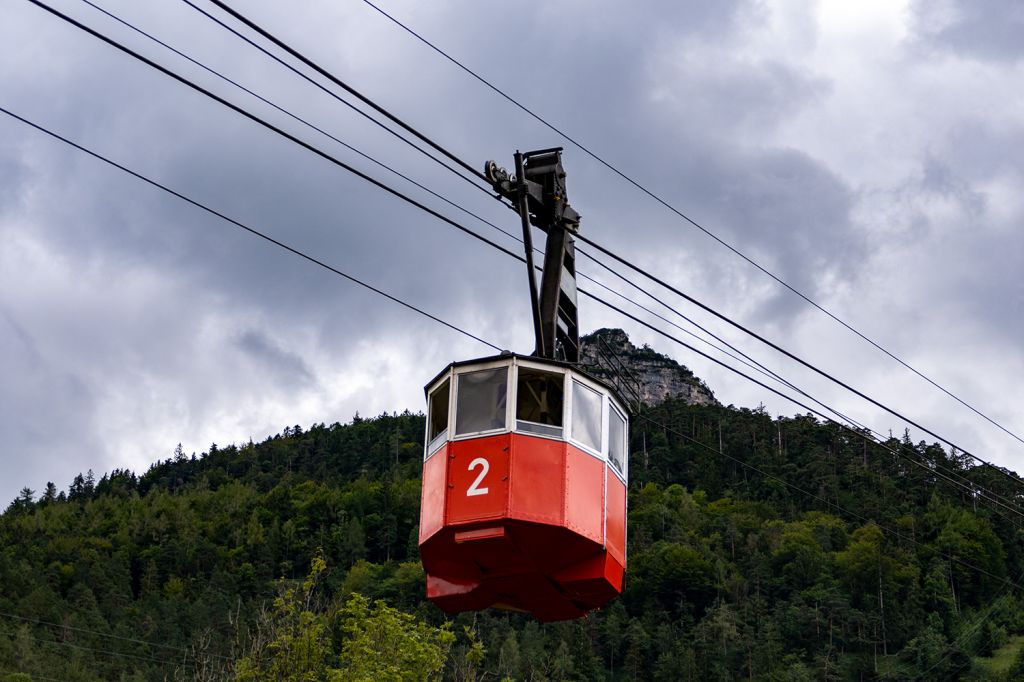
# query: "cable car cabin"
524,488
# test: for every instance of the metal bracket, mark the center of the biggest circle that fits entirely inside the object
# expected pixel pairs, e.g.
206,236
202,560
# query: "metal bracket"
538,193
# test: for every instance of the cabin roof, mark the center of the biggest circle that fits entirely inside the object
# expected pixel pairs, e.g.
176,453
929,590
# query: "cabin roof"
509,356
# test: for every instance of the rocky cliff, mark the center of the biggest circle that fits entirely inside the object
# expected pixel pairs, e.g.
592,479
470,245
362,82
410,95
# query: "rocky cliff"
658,376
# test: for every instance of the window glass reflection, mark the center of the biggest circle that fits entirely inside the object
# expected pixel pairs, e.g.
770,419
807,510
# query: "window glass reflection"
586,416
481,401
539,402
616,441
437,416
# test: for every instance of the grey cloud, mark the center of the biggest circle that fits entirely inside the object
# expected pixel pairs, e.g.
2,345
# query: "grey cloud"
978,148
981,266
12,179
792,215
194,305
45,410
286,368
708,89
959,253
984,29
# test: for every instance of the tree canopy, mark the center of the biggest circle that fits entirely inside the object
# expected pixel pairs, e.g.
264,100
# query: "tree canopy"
296,558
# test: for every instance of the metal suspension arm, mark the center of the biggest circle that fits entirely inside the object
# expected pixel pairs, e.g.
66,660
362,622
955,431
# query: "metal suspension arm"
538,192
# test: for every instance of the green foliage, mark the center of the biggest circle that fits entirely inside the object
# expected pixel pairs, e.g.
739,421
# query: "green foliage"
296,640
1016,671
293,643
214,567
382,643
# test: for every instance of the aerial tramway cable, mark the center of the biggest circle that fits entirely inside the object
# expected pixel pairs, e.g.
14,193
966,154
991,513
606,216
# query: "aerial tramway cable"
288,136
132,640
703,306
648,419
472,170
829,503
969,486
431,211
312,126
319,69
251,230
342,100
734,249
745,359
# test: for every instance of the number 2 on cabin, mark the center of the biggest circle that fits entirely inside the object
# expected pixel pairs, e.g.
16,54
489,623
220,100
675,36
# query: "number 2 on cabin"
474,488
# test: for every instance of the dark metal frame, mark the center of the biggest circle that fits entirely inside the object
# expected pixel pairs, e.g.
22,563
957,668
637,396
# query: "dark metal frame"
537,191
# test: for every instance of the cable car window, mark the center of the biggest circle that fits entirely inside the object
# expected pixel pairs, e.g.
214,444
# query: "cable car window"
539,401
586,416
481,401
616,440
437,417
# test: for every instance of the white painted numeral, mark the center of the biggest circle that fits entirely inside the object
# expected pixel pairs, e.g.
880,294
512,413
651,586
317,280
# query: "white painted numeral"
475,488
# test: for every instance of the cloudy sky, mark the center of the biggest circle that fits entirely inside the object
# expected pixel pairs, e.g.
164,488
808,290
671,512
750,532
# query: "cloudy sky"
869,153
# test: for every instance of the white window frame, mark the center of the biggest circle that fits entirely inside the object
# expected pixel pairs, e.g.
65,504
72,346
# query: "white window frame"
624,474
432,446
541,367
509,402
601,453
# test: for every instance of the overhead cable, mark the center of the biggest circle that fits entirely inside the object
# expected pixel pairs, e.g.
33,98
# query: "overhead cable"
475,172
860,517
248,229
968,486
108,652
966,635
305,60
71,628
31,676
791,356
970,489
589,152
305,122
256,119
404,197
340,99
736,353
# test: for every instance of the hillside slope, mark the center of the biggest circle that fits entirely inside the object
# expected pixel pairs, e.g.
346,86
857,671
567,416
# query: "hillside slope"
800,553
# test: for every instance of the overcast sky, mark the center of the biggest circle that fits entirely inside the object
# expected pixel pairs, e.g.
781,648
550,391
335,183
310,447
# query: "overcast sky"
870,154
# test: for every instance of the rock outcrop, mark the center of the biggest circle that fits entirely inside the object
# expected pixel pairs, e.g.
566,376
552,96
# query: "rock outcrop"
658,376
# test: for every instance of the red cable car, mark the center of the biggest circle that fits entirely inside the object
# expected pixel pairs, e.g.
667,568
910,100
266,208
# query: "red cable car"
523,504
524,488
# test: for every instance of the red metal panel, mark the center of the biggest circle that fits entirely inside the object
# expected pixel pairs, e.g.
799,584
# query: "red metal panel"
584,494
432,495
537,475
518,522
616,541
477,479
489,533
593,581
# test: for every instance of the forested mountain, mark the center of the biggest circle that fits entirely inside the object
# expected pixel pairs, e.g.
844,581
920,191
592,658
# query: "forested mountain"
798,552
